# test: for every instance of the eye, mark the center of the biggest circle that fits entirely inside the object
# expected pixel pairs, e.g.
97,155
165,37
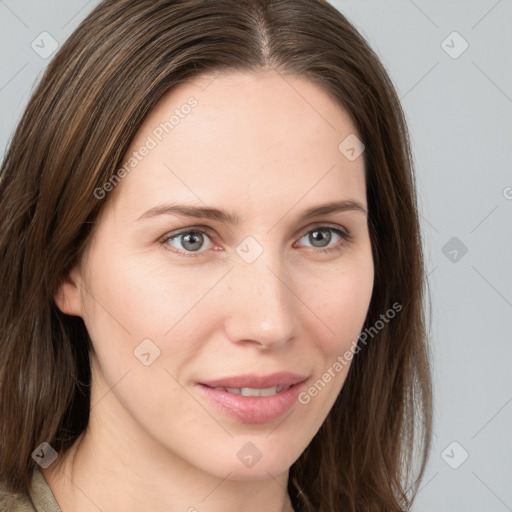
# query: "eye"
322,235
192,240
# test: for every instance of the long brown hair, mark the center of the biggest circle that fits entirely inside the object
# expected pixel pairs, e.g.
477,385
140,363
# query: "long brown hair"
93,97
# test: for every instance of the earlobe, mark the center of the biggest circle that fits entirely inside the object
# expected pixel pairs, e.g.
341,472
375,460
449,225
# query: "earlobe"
68,295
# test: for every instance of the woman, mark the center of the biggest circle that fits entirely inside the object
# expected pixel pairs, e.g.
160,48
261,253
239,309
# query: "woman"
212,272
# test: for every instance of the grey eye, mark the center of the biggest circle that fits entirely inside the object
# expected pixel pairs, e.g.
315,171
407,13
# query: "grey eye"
191,241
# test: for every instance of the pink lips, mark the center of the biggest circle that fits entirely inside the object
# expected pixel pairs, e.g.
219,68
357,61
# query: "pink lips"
254,409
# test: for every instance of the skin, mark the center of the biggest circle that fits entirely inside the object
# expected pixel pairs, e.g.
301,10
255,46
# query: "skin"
266,147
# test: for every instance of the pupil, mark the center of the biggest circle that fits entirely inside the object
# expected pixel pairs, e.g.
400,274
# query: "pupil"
186,241
326,238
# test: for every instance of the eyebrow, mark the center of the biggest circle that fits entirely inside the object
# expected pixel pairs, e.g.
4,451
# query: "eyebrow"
221,215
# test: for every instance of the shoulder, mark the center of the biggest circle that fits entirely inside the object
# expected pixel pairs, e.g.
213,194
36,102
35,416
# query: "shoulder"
41,498
10,502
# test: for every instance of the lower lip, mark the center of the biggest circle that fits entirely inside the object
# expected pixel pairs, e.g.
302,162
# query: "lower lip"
253,409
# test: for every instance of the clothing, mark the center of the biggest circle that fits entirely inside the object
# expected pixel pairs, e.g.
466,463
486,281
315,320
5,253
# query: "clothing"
41,498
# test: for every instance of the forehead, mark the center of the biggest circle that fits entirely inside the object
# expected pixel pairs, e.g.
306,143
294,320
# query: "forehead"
240,138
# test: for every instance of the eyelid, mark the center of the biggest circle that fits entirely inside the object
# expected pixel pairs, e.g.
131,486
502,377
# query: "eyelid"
209,231
180,231
346,232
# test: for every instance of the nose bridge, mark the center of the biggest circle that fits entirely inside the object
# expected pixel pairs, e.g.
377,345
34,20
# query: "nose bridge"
261,302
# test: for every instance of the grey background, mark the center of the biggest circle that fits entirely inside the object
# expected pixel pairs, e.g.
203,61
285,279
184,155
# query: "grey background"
459,114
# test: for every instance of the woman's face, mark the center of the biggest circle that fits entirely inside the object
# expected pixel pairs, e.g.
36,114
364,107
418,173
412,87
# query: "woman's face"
177,305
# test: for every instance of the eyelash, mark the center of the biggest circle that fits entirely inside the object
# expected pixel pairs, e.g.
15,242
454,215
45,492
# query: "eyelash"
345,236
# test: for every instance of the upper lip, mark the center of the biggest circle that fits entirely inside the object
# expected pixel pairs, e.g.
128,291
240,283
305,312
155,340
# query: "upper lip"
256,381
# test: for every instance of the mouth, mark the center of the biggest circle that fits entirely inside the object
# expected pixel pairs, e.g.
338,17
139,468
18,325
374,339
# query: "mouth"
254,391
253,398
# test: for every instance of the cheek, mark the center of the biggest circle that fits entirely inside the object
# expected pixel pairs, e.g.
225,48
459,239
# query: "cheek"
130,303
134,302
137,316
133,296
341,303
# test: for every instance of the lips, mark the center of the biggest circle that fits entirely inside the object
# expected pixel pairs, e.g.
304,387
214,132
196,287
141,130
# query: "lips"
253,398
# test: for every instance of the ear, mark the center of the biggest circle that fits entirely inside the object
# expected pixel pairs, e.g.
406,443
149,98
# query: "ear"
68,297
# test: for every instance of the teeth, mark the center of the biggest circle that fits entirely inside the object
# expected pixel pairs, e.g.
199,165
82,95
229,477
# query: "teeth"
254,391
268,391
259,392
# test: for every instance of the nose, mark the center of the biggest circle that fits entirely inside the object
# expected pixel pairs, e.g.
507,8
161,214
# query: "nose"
260,304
